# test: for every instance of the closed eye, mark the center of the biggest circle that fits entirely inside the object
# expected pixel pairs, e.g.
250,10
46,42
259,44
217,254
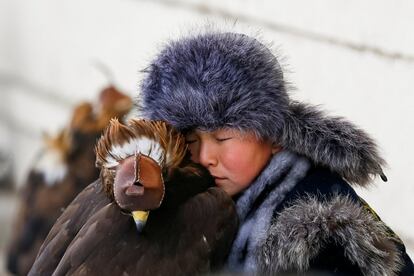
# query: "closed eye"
223,139
190,141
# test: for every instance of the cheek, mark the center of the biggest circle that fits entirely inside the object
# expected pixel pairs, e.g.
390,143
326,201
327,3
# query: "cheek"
235,161
238,162
245,163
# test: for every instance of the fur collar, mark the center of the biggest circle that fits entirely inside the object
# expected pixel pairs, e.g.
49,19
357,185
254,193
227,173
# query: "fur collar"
302,230
256,205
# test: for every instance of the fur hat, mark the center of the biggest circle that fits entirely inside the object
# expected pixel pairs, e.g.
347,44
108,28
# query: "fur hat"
229,80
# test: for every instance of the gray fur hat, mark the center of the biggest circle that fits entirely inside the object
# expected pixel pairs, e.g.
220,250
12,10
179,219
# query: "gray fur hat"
229,80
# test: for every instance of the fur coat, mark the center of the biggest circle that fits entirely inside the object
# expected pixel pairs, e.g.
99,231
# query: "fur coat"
299,217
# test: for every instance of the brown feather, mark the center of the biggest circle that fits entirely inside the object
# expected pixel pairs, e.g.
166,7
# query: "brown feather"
97,238
112,104
117,134
88,202
190,233
62,142
42,202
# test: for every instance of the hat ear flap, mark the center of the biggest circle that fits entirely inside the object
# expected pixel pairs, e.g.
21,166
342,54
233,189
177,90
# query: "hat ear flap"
332,142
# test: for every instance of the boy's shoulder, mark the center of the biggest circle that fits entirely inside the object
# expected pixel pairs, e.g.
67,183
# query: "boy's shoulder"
323,224
322,184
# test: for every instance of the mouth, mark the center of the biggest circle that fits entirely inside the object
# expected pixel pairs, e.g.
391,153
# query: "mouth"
219,180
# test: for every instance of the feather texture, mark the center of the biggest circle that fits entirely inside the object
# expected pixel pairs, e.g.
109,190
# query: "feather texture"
154,139
65,166
190,233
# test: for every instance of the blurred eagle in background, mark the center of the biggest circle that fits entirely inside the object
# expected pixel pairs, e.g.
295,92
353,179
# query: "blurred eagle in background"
63,168
185,226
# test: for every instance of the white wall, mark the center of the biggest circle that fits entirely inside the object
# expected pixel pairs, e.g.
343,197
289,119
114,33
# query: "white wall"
354,57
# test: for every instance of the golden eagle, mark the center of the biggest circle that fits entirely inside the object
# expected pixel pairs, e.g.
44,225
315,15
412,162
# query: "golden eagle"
185,225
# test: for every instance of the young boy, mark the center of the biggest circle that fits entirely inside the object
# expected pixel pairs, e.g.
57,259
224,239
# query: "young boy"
286,164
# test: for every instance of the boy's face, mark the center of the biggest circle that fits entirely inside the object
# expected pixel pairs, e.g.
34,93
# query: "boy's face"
233,158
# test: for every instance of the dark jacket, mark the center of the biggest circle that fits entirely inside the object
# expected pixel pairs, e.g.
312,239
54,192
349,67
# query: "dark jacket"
323,226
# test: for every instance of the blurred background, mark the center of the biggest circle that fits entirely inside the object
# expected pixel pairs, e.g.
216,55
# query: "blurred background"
355,58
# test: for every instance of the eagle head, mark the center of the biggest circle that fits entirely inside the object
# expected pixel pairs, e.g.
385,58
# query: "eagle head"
94,117
134,160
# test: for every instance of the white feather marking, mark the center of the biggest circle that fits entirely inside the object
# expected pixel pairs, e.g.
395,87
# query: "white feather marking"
52,166
141,145
168,158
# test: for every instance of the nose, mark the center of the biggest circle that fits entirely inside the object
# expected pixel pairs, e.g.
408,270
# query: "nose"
207,155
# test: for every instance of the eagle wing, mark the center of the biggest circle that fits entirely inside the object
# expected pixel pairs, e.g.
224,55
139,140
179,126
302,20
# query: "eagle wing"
210,221
191,235
196,239
88,202
95,248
